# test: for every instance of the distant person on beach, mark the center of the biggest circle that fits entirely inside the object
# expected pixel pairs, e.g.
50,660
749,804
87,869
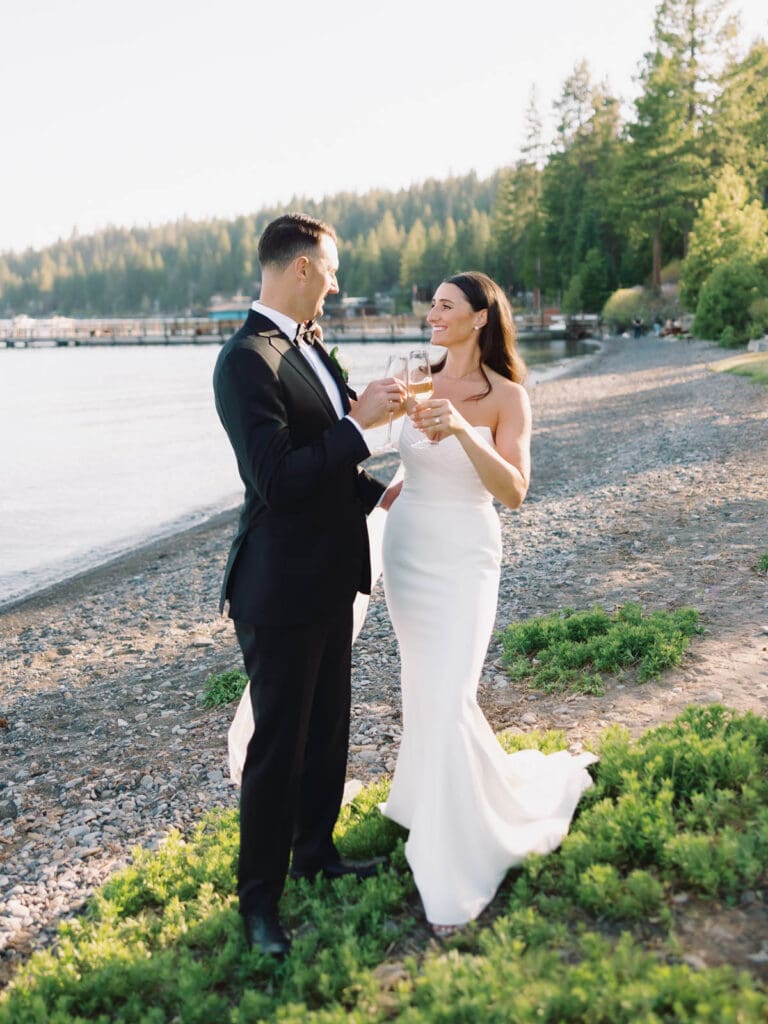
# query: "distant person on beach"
472,810
299,558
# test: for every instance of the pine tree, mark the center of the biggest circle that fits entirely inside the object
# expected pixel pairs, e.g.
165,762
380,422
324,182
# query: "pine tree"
666,168
728,227
413,253
517,218
739,134
579,209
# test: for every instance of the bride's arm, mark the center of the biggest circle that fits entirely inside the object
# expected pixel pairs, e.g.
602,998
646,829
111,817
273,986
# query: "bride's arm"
504,467
393,489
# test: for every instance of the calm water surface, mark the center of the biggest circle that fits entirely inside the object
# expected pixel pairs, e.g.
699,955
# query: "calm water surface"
105,448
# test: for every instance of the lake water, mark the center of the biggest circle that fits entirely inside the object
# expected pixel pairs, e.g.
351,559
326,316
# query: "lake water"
105,448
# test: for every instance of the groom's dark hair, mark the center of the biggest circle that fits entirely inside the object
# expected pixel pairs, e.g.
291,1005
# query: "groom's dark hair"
289,236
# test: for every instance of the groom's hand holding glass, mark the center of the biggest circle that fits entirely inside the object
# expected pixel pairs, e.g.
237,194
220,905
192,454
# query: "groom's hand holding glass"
381,399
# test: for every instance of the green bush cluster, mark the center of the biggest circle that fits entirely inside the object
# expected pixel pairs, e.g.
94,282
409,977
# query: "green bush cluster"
762,565
622,307
580,936
223,688
683,807
570,649
731,306
758,311
625,304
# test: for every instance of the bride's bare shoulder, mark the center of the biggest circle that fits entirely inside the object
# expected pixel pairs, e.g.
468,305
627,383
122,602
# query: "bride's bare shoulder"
506,390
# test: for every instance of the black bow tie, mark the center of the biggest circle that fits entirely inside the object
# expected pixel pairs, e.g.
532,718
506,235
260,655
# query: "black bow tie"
310,332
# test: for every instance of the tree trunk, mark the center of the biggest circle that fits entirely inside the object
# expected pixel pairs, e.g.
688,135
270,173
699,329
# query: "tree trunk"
656,278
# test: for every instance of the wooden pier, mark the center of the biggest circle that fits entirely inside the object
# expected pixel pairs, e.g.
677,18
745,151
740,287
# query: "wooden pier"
58,332
61,332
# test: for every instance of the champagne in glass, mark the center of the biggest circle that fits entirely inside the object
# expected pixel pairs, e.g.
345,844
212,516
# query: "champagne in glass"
420,382
421,390
397,367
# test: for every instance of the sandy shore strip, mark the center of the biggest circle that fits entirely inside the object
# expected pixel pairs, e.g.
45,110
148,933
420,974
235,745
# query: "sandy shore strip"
650,483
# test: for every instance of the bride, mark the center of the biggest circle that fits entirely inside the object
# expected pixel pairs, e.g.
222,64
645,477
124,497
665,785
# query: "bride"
472,810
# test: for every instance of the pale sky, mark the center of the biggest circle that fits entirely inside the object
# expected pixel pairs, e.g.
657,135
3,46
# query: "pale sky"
144,112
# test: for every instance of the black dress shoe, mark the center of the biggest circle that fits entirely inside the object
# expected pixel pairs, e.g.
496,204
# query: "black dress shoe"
264,932
340,868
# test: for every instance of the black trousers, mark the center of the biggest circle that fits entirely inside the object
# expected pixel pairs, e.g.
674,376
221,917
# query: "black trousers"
296,762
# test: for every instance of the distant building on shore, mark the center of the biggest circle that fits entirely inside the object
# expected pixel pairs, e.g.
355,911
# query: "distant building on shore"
226,310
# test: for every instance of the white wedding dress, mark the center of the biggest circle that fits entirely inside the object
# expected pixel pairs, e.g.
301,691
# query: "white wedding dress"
472,810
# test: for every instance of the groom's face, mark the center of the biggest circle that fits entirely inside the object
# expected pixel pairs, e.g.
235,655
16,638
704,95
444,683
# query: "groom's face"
320,279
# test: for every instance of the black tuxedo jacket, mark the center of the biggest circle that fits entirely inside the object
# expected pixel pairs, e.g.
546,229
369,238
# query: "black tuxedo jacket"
301,549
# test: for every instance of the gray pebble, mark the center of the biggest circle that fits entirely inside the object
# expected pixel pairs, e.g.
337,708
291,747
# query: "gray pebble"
8,810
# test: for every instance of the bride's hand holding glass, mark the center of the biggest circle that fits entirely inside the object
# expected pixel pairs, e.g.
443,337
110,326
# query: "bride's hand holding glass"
438,418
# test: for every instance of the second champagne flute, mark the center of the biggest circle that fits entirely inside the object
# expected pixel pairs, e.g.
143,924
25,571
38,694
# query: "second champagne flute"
420,383
397,367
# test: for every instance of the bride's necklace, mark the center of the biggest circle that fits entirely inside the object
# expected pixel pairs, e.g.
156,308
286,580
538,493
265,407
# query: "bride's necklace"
463,376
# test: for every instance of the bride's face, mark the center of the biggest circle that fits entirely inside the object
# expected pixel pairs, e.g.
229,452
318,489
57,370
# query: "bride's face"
451,317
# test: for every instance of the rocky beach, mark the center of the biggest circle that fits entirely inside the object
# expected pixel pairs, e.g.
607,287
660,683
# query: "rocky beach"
650,484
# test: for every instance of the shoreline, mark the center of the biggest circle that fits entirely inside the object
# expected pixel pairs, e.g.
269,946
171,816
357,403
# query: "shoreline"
648,485
122,554
119,563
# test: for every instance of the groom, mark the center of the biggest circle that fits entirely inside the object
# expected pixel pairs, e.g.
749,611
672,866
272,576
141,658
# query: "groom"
299,557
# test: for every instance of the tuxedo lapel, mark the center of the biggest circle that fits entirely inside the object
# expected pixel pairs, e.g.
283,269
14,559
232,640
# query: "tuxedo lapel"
258,324
336,374
291,353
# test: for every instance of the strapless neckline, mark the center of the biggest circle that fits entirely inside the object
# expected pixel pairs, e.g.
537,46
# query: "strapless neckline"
408,428
441,473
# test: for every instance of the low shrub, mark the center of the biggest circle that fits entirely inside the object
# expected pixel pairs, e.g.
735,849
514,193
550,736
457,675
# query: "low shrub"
726,296
625,304
223,688
571,650
758,318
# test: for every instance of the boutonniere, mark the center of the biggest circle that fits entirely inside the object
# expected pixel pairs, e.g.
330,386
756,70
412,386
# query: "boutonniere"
340,366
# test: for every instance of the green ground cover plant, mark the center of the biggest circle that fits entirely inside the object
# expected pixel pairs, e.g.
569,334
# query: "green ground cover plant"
750,364
571,650
585,935
762,565
223,688
757,371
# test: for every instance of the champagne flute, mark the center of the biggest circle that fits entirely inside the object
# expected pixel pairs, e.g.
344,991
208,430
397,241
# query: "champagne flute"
397,367
420,383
